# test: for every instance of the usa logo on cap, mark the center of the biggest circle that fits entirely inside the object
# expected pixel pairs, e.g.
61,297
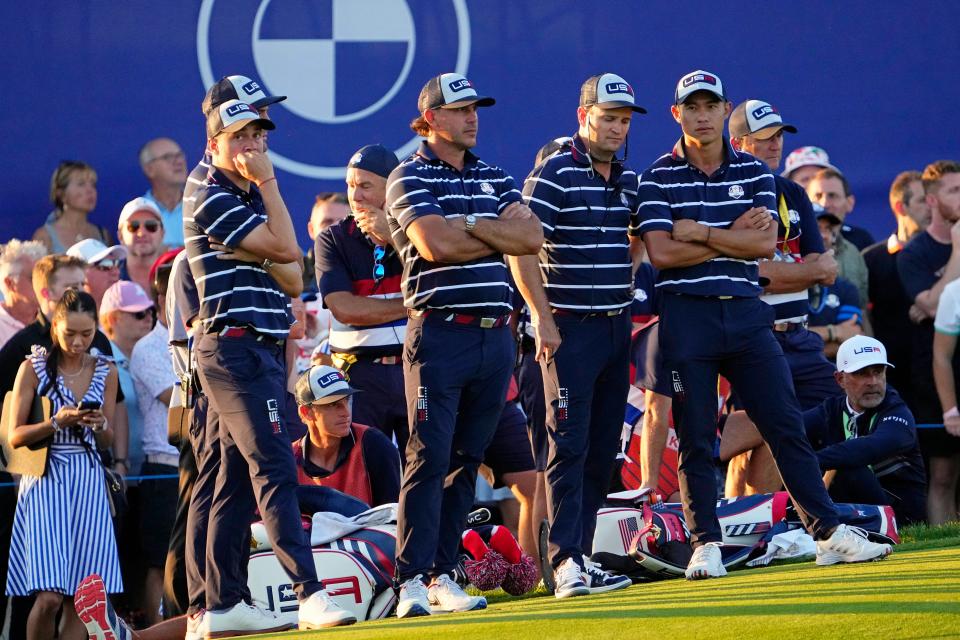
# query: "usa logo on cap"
328,379
619,87
699,78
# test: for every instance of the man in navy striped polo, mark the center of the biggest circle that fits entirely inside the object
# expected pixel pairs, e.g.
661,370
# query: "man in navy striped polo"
799,263
204,439
452,217
243,322
358,273
707,215
579,291
227,88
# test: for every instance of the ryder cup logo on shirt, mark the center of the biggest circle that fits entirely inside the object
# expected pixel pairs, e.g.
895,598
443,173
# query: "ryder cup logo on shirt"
487,188
832,301
735,191
364,61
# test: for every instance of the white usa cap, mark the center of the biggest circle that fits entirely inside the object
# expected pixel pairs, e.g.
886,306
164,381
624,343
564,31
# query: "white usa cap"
861,351
450,91
234,115
757,118
608,91
322,384
699,80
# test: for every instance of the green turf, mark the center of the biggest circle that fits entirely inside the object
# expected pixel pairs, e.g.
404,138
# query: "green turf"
913,594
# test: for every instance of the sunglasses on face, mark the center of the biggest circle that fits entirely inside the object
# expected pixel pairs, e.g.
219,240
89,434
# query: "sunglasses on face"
107,265
378,270
146,313
150,225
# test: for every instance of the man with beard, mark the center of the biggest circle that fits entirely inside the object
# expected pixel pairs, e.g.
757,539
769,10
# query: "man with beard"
927,265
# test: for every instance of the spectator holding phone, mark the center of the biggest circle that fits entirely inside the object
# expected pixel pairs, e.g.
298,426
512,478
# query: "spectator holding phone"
49,553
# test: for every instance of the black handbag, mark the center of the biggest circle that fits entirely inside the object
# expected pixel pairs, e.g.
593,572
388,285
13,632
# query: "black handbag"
32,459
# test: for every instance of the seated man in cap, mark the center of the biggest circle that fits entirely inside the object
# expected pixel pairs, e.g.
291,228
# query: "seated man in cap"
865,440
337,452
103,265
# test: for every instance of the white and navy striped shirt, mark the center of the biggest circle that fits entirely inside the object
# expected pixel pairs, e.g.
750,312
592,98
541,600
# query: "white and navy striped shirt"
232,293
424,185
585,259
673,189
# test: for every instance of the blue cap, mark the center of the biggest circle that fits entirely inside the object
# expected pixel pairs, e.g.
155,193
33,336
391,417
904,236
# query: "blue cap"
374,158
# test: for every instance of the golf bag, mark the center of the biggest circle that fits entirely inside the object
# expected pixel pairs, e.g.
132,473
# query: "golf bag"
650,541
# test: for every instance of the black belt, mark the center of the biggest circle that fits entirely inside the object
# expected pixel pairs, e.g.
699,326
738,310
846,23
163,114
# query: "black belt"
589,314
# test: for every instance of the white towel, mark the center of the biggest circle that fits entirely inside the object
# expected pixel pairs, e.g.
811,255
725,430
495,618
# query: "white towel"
791,544
328,526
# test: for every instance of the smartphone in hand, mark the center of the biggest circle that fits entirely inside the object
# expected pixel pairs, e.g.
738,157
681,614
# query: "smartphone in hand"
89,405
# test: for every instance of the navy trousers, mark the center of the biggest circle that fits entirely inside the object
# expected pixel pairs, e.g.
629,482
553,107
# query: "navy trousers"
812,373
702,337
585,388
382,404
245,382
456,380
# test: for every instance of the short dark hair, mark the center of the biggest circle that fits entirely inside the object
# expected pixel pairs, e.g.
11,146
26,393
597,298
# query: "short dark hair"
934,172
337,197
898,190
826,174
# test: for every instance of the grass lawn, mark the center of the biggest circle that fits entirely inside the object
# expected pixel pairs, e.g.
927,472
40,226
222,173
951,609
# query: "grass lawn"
913,594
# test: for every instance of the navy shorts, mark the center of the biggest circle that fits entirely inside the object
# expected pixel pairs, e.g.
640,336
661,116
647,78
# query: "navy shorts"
509,452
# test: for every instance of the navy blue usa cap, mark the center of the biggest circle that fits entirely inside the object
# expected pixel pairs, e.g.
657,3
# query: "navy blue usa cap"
239,88
450,91
374,158
608,91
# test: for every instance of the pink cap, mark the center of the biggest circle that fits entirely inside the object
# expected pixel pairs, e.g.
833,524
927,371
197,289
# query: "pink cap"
125,296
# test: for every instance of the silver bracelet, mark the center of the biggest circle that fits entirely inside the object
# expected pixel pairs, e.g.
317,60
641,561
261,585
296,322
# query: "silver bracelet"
54,424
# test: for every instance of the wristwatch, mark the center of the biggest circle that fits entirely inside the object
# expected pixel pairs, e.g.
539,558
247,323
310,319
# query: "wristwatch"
267,263
470,222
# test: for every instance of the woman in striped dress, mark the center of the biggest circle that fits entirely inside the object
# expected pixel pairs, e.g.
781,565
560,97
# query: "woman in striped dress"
62,530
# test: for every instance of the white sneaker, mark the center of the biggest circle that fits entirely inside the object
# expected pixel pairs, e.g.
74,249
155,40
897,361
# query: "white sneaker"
195,627
242,619
95,612
850,544
320,611
569,580
707,562
446,595
600,581
413,599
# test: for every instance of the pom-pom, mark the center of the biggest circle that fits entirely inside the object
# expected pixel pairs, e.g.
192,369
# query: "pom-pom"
521,577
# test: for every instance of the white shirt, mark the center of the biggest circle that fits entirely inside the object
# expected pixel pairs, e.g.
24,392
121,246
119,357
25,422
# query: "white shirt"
8,326
152,374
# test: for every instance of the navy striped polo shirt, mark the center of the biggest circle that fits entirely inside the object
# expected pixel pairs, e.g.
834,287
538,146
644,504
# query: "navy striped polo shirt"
345,262
585,259
424,185
798,235
232,293
196,179
673,189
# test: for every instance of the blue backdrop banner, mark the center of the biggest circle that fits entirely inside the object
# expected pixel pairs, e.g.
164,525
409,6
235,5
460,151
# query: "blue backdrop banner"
874,83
